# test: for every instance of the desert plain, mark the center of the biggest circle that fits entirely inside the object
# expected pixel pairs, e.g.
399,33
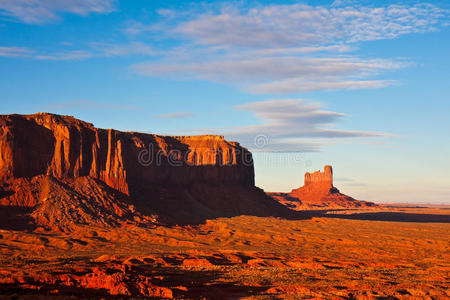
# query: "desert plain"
384,253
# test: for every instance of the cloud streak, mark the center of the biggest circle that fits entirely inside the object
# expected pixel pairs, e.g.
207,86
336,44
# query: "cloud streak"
284,49
95,50
15,52
127,49
296,85
23,52
280,74
291,125
66,55
304,25
177,115
42,11
260,49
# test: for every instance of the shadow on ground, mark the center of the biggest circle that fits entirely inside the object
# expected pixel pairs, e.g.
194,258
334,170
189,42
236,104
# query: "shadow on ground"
192,284
387,216
16,218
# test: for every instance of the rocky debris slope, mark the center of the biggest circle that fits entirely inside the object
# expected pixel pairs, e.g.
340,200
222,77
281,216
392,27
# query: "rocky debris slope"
60,205
318,192
64,171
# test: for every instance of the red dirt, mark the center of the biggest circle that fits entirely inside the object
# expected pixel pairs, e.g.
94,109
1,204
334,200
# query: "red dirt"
327,256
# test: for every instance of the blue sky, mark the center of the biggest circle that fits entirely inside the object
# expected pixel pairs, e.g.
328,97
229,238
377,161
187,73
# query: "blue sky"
361,85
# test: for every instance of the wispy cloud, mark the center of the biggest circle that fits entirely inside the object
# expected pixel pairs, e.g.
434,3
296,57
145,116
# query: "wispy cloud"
291,125
177,115
260,49
94,50
42,11
67,55
281,49
15,52
23,52
280,74
296,85
127,49
349,182
304,25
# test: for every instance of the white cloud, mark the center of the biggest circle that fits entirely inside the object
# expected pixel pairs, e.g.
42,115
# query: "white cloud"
304,25
67,55
279,74
261,49
301,50
283,49
15,52
297,85
177,115
291,125
42,11
96,50
132,48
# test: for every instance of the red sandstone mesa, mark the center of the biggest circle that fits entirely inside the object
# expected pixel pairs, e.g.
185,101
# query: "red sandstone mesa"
64,147
67,171
319,192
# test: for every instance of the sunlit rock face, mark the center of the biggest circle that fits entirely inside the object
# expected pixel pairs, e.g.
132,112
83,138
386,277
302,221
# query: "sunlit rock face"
318,182
318,192
64,147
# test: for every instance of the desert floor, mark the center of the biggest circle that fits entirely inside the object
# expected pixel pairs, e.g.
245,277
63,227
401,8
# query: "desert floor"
386,253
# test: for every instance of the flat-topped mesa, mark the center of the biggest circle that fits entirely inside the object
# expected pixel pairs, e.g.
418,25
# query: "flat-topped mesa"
65,147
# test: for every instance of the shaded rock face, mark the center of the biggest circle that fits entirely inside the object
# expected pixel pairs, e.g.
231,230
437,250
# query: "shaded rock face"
64,147
65,171
318,192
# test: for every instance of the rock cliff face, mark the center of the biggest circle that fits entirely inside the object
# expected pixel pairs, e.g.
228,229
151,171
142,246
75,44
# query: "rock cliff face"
64,147
165,175
318,192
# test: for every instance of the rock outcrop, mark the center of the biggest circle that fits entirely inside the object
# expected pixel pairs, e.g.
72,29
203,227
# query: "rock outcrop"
44,157
318,192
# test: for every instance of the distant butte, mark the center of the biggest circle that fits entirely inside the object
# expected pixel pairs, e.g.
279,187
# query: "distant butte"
318,192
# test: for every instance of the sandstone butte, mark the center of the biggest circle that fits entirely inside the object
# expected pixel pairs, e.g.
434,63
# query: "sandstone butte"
57,171
318,192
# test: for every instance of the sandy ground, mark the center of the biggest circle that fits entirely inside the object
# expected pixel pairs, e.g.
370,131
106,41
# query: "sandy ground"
385,253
